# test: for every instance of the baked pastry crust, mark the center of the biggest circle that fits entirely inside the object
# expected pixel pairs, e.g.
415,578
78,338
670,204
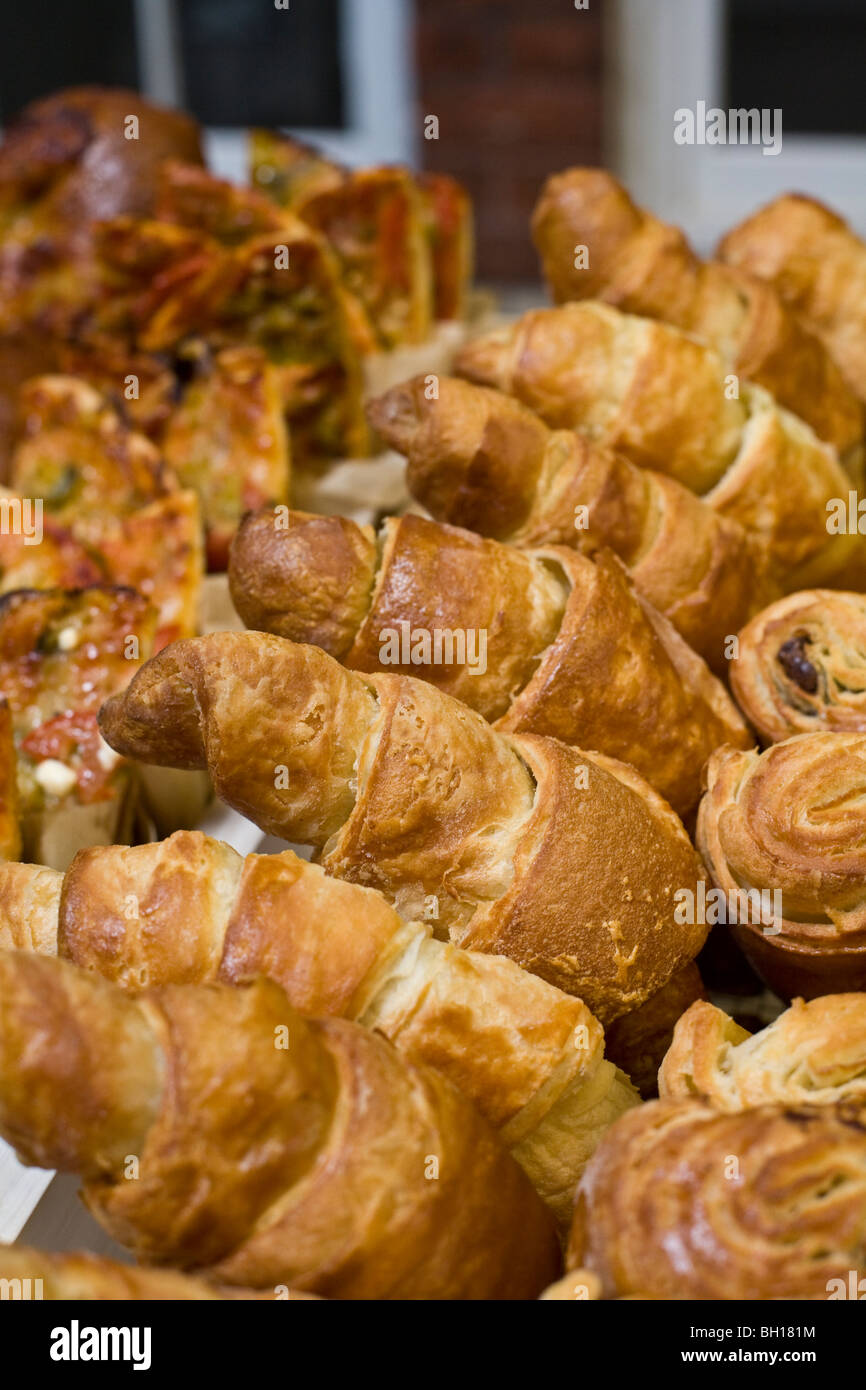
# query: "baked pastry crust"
563,859
818,266
189,910
814,1053
644,266
478,458
271,1150
664,400
570,650
790,821
682,1201
801,665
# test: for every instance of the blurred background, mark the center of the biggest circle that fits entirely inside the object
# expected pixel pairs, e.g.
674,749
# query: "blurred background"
518,88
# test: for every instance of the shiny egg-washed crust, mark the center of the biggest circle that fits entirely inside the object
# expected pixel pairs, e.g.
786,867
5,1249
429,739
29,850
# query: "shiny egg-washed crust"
814,1053
480,459
662,398
644,266
272,1150
792,820
92,1278
563,859
801,665
189,910
571,651
818,266
639,1041
662,1211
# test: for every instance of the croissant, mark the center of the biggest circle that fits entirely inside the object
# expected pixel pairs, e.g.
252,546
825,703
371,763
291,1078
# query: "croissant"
665,401
188,910
34,1275
814,1053
681,1201
818,266
643,266
480,459
801,665
217,1130
541,641
788,828
565,860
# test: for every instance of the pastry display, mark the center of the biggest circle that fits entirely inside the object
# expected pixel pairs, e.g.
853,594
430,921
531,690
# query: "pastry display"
432,723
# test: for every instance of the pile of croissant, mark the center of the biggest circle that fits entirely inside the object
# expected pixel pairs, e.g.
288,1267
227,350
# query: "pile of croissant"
583,724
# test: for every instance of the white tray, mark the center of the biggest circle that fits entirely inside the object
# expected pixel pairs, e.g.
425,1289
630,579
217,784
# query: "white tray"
40,1207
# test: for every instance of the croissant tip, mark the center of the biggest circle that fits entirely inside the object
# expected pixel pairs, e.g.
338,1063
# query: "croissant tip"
394,414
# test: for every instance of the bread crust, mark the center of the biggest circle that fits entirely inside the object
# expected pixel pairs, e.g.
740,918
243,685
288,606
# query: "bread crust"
664,400
660,1214
552,643
644,266
789,821
324,1161
480,459
801,665
519,840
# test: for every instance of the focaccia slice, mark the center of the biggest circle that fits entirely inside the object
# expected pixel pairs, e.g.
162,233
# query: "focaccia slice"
62,653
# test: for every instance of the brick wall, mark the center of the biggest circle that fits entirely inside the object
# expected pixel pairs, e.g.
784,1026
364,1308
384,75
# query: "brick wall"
516,85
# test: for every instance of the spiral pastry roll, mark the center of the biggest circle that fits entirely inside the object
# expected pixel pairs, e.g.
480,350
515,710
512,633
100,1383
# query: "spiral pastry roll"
783,834
802,665
813,1053
682,1201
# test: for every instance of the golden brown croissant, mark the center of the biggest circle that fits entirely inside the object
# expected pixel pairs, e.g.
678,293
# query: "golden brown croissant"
542,641
33,1275
801,665
681,1201
480,459
188,910
666,402
788,827
643,266
565,860
818,266
814,1053
217,1130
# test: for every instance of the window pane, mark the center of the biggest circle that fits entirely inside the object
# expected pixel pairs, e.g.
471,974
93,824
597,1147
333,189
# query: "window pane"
45,46
804,57
247,63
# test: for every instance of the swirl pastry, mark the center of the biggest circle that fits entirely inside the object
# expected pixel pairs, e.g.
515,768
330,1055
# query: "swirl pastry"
801,666
813,1053
788,827
681,1201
